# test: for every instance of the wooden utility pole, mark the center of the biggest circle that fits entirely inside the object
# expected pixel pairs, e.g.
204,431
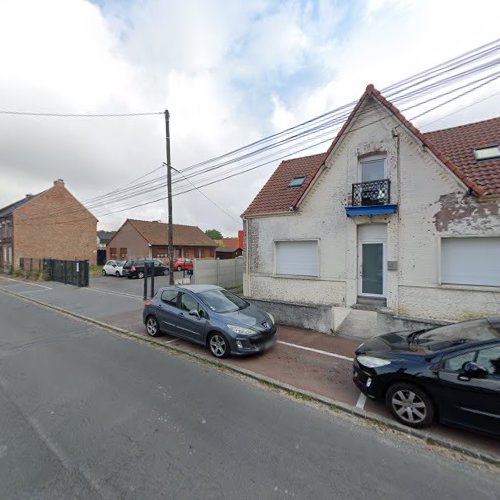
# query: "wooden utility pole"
169,193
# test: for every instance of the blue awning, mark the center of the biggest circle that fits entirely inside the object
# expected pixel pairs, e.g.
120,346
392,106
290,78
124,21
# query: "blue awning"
371,210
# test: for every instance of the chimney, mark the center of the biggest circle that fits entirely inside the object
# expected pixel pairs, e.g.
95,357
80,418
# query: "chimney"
58,182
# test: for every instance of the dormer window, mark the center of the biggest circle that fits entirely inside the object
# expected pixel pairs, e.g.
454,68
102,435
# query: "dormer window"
487,153
296,182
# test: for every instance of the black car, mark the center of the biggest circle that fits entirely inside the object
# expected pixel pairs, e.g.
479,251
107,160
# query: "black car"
449,373
136,268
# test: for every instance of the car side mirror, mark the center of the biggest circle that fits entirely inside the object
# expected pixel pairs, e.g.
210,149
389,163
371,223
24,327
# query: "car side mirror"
194,313
473,370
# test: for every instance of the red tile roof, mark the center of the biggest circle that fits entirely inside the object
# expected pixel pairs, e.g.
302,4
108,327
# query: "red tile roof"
155,233
276,196
454,147
458,144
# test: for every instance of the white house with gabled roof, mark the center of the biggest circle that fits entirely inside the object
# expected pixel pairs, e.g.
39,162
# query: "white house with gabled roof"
389,226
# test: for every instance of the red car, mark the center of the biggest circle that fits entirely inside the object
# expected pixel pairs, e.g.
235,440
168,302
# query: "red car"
182,264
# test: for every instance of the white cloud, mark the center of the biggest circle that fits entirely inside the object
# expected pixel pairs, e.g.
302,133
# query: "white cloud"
229,72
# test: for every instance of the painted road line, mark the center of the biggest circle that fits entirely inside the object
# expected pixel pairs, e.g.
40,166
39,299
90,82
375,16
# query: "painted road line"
361,401
34,291
172,341
109,292
25,283
326,353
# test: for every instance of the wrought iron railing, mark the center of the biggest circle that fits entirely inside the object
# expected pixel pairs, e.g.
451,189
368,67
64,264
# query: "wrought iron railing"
371,193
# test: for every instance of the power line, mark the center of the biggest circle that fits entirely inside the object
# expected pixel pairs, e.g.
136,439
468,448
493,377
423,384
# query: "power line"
77,115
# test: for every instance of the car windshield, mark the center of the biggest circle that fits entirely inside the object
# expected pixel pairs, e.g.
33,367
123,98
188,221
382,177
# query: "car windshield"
459,333
120,262
222,301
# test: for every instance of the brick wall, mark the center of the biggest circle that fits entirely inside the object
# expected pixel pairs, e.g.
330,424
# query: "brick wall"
129,240
54,225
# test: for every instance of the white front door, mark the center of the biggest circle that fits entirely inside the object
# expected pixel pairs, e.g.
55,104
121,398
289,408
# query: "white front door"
371,260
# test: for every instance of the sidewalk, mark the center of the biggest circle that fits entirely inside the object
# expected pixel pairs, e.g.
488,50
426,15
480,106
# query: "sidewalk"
305,360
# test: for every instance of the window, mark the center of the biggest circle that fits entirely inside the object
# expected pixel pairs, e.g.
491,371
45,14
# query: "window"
170,297
188,303
456,363
112,253
372,169
299,258
487,153
297,182
489,359
470,261
123,253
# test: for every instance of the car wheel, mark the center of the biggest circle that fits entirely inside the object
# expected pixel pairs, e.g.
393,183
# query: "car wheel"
140,275
152,326
218,345
410,405
103,272
179,268
117,274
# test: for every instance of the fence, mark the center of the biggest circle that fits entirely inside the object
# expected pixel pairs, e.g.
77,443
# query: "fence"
227,273
69,272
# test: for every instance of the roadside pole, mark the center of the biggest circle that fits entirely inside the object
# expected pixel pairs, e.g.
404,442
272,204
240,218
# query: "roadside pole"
152,279
169,193
145,296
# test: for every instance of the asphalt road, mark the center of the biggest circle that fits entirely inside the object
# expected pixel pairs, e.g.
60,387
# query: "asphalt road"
87,414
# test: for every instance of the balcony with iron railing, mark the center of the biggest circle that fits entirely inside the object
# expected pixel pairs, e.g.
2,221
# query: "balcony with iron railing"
371,198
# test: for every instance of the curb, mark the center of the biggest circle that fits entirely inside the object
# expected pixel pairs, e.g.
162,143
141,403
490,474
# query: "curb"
291,390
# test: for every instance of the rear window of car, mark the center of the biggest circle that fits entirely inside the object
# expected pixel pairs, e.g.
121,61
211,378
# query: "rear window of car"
465,332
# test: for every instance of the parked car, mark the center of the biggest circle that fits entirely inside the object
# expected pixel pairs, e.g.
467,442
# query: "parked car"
211,316
182,264
450,373
113,268
136,268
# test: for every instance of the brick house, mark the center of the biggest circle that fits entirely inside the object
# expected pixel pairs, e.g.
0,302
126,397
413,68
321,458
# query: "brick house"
148,239
388,228
50,224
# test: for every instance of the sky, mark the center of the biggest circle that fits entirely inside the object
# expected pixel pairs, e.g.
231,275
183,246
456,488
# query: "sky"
229,71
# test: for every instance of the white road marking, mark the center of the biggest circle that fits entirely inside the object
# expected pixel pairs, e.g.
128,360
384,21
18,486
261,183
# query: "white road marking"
361,401
172,341
332,354
26,283
34,291
123,294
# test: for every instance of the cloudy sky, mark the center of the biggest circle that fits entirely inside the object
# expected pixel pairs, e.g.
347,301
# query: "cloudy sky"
229,71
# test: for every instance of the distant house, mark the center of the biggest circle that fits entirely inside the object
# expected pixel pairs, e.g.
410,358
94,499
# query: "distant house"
50,224
103,238
141,239
228,248
228,252
389,225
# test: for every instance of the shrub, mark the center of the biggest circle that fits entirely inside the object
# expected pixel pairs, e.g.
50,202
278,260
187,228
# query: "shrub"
18,273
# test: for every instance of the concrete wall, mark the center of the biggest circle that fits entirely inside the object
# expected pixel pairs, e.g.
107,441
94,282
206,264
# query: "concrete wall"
226,273
127,237
54,225
432,204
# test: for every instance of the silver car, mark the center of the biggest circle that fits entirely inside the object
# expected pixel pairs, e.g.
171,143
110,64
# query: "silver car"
211,316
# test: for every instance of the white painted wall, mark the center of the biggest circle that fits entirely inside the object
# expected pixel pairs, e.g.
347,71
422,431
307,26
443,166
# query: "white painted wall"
421,187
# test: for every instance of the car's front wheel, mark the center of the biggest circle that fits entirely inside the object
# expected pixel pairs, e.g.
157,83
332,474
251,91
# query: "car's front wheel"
218,345
140,275
117,274
410,405
179,268
152,326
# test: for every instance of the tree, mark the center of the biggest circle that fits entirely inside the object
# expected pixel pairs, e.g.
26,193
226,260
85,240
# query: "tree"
214,234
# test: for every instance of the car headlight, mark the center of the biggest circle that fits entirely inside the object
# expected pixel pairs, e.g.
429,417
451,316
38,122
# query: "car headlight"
271,317
372,362
241,330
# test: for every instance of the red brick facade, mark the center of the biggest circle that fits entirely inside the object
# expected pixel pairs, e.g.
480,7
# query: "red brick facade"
54,224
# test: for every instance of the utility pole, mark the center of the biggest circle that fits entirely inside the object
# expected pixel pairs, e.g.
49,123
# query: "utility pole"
169,193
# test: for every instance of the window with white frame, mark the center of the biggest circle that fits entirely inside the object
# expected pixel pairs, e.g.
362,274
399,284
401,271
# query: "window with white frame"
372,168
299,258
470,261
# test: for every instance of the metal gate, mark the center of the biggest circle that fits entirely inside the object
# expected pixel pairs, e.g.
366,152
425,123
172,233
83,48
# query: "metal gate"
69,272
